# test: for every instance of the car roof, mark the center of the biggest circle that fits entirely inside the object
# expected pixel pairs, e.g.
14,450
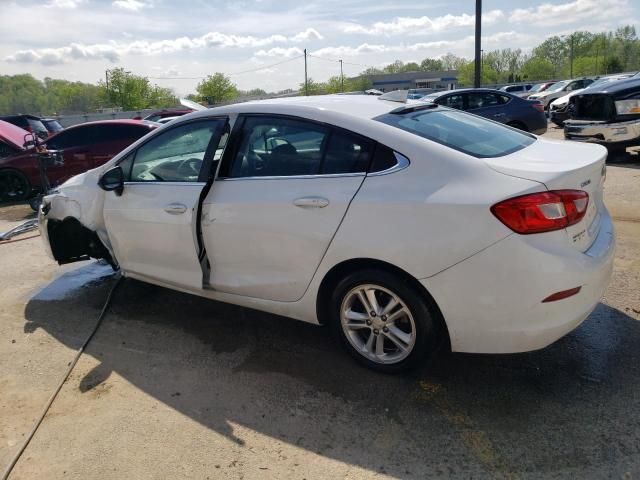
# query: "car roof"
12,134
615,86
122,121
359,106
470,90
20,115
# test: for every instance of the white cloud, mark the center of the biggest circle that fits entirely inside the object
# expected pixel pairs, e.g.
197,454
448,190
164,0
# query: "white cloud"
422,25
131,5
65,3
279,52
366,48
568,13
113,51
308,34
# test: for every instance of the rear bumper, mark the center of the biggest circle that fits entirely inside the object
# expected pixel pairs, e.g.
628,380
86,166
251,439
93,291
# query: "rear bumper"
492,302
603,132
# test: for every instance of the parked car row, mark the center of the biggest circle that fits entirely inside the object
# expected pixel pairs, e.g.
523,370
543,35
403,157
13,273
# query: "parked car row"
83,147
608,114
497,105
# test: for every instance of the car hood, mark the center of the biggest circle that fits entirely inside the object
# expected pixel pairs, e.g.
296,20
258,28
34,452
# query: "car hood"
565,99
12,134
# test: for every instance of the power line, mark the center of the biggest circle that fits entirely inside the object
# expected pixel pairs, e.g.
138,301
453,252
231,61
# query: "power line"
338,61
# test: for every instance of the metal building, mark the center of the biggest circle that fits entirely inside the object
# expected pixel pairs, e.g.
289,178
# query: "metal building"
444,80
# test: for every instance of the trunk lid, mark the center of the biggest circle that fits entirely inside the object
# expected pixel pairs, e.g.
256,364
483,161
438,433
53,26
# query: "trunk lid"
563,165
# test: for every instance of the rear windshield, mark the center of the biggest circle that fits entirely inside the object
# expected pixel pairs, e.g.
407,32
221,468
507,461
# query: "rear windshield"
461,131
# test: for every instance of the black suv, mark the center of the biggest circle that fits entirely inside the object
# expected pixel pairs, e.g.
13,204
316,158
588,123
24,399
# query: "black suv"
30,123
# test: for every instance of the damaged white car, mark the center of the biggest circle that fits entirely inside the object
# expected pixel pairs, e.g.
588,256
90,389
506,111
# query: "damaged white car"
402,226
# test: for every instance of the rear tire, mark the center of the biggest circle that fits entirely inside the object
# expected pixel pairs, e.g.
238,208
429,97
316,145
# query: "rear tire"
14,186
383,321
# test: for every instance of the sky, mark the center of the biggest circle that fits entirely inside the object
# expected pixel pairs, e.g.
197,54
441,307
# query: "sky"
259,43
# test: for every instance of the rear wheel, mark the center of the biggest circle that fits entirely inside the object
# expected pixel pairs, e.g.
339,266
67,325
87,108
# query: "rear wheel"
383,321
14,186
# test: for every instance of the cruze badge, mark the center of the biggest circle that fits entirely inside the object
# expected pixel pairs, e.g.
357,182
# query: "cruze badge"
585,183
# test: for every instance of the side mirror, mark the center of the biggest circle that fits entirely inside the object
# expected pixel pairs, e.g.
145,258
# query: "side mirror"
112,180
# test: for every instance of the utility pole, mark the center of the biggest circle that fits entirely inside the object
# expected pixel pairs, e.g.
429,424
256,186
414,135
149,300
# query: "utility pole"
106,79
341,76
571,58
597,52
478,55
306,82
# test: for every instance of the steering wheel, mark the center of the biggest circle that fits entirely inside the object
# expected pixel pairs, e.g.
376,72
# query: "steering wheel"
189,167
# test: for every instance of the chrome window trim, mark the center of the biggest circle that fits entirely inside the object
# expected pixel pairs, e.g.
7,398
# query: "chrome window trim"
403,162
154,182
302,177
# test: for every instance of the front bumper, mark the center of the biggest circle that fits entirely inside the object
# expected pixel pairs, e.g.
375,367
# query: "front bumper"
603,132
492,302
559,115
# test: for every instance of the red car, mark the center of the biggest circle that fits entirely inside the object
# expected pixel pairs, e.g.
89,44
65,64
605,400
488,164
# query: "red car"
84,147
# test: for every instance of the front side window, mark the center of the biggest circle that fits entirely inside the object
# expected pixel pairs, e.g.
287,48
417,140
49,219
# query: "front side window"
175,155
72,137
466,133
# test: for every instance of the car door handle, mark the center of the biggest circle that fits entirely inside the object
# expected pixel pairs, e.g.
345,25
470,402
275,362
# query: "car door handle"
498,114
311,202
175,208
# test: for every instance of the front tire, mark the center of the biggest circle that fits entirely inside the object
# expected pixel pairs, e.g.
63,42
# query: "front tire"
383,321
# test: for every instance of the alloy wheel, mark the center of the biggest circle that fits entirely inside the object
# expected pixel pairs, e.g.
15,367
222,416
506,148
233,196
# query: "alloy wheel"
378,324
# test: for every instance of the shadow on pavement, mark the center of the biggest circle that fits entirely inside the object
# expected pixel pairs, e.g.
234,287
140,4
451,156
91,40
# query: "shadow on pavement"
572,407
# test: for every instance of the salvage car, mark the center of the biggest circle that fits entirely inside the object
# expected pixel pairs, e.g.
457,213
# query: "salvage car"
559,109
527,115
84,147
402,226
608,115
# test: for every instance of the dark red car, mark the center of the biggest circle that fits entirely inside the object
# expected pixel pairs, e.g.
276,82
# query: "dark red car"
84,147
167,112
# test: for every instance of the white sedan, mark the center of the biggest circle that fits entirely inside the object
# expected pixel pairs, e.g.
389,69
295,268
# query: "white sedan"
402,226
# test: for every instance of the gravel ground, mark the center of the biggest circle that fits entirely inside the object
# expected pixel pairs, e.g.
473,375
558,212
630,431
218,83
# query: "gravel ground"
175,386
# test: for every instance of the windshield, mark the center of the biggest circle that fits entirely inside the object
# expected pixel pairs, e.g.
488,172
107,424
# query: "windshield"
463,132
537,87
556,87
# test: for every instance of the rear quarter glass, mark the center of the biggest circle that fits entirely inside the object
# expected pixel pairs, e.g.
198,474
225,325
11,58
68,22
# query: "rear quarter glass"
460,131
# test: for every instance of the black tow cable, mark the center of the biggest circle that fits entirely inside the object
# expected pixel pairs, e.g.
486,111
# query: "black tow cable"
72,365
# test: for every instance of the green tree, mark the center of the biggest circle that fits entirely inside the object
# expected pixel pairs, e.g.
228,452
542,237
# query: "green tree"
313,87
217,88
466,74
537,68
134,92
431,65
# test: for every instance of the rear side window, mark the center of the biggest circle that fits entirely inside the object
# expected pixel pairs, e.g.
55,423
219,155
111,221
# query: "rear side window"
466,133
284,147
452,101
346,153
484,100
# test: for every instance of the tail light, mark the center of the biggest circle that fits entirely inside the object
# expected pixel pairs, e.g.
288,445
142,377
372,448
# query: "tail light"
538,106
542,212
